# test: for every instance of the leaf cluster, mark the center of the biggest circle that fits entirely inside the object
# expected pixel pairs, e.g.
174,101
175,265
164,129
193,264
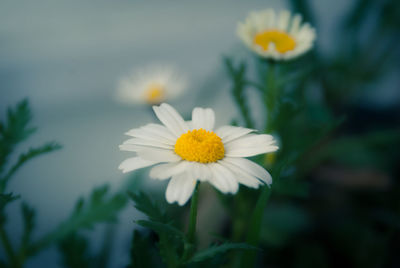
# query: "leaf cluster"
100,206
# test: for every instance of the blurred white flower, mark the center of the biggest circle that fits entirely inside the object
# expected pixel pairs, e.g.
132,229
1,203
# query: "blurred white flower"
151,85
192,151
279,36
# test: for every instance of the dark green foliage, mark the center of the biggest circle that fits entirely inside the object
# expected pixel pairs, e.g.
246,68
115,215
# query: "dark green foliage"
99,207
28,215
144,253
161,228
144,204
23,158
170,238
214,250
14,130
74,249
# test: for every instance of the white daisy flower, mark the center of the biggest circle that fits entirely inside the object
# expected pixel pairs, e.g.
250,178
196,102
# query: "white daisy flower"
151,85
194,151
278,36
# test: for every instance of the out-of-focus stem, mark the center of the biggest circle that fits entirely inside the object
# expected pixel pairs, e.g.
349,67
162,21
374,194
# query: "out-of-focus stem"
271,96
193,215
191,234
271,93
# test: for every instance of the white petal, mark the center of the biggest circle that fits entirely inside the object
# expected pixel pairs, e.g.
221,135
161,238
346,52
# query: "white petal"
150,143
283,21
157,154
250,145
165,171
223,179
248,152
295,24
229,133
270,15
135,163
203,118
251,168
153,132
241,175
171,119
129,147
180,189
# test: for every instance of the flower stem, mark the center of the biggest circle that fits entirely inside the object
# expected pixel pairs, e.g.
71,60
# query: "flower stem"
193,215
271,95
190,237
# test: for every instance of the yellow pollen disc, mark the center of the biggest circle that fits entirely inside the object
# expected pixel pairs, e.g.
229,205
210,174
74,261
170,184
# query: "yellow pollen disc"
200,146
154,93
283,42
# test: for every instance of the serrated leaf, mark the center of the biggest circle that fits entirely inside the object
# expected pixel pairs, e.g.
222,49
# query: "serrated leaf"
100,208
4,200
160,223
25,157
219,249
144,253
160,228
74,251
14,130
144,204
7,198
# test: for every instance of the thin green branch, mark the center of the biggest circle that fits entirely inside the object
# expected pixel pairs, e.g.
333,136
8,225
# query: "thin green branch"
23,158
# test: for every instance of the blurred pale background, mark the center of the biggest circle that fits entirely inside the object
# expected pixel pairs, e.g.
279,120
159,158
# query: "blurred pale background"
67,56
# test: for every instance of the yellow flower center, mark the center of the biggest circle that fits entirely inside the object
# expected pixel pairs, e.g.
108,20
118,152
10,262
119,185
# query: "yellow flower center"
283,42
200,145
154,93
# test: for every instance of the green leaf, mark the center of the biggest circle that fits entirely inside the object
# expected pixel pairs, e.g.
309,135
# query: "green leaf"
4,200
161,224
170,238
144,204
143,251
23,158
219,249
100,208
7,198
14,130
160,228
74,251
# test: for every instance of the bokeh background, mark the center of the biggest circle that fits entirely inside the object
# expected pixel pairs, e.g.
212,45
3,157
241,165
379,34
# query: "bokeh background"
66,57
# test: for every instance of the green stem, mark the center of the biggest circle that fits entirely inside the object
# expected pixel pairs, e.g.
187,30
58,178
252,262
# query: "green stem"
255,227
193,215
271,93
190,237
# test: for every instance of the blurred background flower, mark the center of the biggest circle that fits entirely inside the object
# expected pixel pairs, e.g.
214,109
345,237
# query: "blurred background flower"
276,35
152,85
